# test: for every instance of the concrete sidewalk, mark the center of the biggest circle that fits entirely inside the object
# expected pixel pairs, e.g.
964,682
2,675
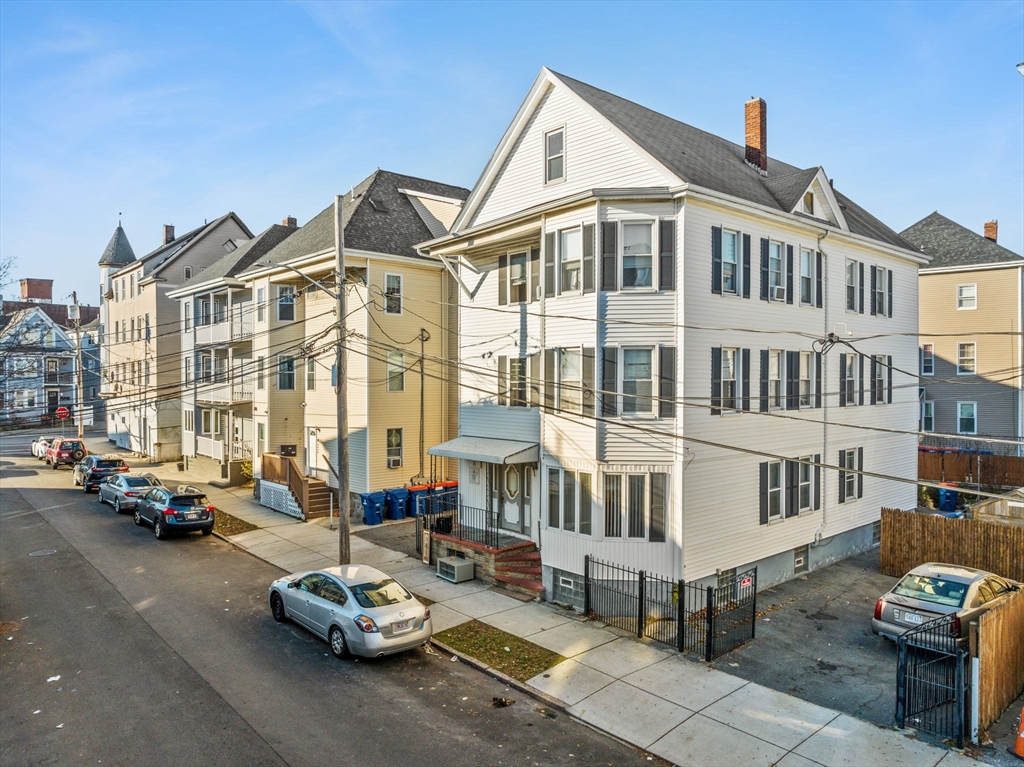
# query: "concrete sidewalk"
637,691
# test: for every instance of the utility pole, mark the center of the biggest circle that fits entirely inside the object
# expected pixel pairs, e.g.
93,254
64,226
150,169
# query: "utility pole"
79,391
424,337
341,390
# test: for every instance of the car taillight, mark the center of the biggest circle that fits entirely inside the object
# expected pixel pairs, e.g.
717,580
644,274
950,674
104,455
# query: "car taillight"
132,495
426,615
169,512
878,610
211,508
366,624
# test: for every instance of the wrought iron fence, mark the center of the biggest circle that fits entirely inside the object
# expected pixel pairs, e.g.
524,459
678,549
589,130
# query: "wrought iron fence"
706,621
443,514
933,679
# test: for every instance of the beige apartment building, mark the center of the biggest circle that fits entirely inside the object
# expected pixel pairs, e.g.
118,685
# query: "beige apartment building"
141,343
971,302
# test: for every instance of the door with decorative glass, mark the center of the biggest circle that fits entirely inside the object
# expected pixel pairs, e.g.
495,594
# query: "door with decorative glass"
512,496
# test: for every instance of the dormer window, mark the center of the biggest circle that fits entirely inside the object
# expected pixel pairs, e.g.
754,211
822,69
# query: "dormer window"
554,156
188,272
809,203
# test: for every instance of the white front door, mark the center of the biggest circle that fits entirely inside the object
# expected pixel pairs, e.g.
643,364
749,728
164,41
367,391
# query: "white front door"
312,452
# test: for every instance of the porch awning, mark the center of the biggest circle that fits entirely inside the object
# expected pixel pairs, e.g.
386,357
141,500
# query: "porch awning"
488,450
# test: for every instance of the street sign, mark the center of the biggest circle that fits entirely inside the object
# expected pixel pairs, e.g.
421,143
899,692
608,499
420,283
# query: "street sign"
62,412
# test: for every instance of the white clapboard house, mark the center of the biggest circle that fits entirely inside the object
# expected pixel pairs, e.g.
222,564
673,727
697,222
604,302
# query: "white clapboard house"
639,378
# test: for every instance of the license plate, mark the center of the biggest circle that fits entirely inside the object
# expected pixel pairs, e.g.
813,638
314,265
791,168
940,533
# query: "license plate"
191,516
912,618
400,626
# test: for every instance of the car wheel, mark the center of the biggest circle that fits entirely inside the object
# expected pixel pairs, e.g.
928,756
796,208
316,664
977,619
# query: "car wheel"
207,530
138,517
158,528
338,646
53,465
277,607
99,496
117,505
86,488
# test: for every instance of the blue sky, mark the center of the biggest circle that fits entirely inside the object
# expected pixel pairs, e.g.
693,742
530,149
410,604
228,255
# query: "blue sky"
172,113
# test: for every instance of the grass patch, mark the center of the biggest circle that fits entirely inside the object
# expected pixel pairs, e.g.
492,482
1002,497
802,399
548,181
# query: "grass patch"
226,524
423,600
522,660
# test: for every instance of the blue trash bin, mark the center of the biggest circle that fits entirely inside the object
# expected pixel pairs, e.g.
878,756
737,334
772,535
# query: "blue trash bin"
397,502
373,507
417,494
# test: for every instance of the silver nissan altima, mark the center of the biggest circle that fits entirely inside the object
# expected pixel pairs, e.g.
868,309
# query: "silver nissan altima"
356,608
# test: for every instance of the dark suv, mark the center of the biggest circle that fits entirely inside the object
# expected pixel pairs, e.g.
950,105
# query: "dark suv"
93,470
182,512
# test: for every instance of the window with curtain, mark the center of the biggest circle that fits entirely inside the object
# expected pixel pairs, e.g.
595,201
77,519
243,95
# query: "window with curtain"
570,253
636,505
637,255
637,381
612,505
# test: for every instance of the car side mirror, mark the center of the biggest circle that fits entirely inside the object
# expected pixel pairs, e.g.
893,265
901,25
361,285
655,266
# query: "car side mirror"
291,585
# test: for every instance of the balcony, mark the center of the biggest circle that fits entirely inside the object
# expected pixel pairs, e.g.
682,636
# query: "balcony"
225,393
214,333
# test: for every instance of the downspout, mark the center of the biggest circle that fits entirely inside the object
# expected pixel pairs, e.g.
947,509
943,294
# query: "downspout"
824,397
541,475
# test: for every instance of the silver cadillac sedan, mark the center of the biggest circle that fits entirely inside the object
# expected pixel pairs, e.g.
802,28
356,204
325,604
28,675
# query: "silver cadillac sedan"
356,608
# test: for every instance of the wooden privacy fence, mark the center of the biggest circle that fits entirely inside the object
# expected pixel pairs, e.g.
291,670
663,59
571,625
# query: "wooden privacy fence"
1000,658
910,539
1002,470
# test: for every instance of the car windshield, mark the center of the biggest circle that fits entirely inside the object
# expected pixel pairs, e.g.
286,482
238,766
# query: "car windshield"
189,500
937,590
380,593
136,482
70,445
109,464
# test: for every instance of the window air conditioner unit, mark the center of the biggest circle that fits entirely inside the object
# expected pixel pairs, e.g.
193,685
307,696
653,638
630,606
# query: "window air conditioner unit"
454,569
394,463
779,293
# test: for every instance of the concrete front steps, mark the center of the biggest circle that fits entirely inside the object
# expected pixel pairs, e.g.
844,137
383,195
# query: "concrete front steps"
519,570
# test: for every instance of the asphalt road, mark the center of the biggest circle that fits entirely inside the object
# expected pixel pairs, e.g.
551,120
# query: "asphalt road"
166,654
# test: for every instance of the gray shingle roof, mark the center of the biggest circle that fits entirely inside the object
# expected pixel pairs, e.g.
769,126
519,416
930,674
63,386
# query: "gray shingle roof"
378,218
789,188
118,251
156,259
244,256
706,160
950,244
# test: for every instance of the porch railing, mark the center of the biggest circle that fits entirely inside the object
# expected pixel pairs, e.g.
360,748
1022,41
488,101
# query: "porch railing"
241,451
212,448
283,470
446,516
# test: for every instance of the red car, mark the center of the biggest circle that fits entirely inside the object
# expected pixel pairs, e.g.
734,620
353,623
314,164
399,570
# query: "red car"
66,450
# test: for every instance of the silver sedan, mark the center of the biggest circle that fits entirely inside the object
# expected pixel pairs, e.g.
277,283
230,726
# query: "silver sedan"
356,608
123,491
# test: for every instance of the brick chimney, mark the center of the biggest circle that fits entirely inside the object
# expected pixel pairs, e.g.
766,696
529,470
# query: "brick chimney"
168,233
290,222
37,291
757,133
992,230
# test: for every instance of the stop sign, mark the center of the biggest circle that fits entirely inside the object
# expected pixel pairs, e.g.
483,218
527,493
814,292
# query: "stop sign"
62,412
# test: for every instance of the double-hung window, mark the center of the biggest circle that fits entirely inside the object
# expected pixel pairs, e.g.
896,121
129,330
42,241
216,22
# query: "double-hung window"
554,156
730,262
392,294
927,359
849,463
396,371
637,381
259,372
967,296
311,374
570,379
878,384
637,255
635,504
188,316
517,278
394,448
806,375
850,380
285,373
730,389
966,358
805,473
775,363
188,370
775,490
852,277
570,253
966,417
261,297
806,276
774,268
285,303
927,416
880,290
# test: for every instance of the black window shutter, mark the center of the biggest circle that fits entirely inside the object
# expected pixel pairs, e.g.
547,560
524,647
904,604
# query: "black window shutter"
667,386
842,380
667,264
860,288
860,477
716,259
534,275
746,266
860,376
889,287
789,274
817,481
609,247
874,372
764,269
502,380
888,384
792,481
817,379
764,381
534,374
588,381
874,306
764,493
549,379
817,281
842,476
792,380
502,280
745,364
549,264
588,258
609,381
716,380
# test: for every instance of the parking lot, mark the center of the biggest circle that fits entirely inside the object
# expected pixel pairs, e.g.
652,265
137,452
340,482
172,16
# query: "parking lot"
814,641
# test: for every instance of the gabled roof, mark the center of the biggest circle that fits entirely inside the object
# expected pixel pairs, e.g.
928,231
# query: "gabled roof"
378,217
950,244
33,315
161,257
118,251
238,260
56,312
788,189
702,159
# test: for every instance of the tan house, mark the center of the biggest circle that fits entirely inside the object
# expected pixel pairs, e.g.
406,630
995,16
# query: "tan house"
401,396
141,344
971,301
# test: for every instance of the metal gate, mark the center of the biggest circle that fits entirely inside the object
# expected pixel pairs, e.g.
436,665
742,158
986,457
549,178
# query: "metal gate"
705,621
933,679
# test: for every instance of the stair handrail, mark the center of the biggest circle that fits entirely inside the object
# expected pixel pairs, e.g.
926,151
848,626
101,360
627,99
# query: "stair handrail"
285,471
